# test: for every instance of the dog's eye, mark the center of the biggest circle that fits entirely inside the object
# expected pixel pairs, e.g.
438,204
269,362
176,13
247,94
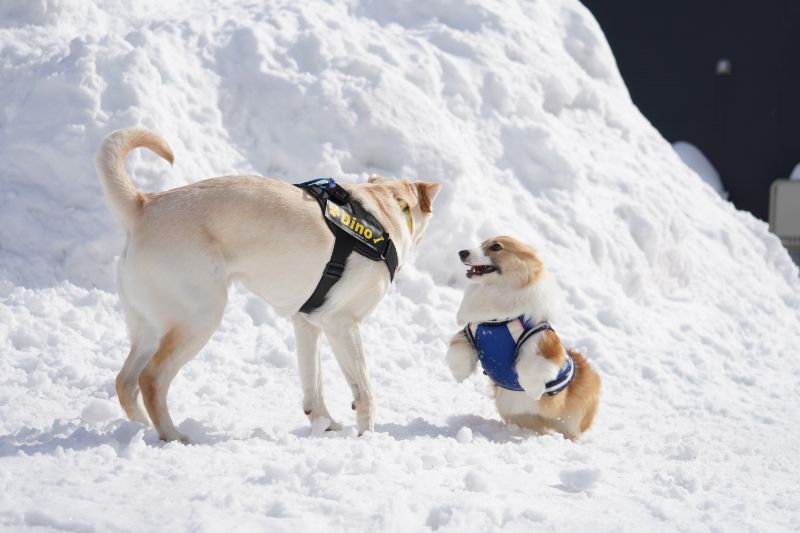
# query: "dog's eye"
496,247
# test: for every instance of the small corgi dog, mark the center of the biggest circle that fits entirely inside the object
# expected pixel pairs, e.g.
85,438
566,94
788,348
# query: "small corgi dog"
506,309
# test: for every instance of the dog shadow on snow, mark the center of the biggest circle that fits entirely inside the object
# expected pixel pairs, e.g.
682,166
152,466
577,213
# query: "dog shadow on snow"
419,428
67,435
122,435
492,430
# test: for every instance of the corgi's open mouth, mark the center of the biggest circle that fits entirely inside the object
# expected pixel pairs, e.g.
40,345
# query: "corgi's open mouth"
480,270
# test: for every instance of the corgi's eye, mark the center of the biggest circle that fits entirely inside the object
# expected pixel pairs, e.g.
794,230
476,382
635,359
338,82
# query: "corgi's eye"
496,247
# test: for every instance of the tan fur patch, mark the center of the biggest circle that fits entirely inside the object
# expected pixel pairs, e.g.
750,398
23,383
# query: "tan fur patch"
578,402
550,347
122,393
379,196
515,258
426,191
149,376
587,391
206,232
166,347
147,384
152,142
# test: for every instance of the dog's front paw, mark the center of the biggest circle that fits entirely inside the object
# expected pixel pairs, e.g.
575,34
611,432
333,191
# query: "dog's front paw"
322,419
324,424
462,360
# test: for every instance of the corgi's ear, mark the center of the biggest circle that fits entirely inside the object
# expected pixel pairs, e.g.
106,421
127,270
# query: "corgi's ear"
427,191
378,179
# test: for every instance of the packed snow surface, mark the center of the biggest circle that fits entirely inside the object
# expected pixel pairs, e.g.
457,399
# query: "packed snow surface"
687,307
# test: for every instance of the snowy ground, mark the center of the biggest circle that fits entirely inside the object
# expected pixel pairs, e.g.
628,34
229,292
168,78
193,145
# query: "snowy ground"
689,309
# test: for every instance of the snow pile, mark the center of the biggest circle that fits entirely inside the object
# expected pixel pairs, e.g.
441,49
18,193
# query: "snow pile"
688,308
795,175
697,161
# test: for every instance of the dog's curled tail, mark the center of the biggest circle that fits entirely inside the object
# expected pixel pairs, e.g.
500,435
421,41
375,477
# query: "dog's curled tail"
122,197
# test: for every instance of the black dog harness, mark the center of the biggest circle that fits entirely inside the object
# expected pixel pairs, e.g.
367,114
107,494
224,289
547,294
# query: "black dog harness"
354,229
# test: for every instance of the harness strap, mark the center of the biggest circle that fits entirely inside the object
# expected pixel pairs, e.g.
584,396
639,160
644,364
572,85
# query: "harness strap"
326,189
333,272
566,373
553,387
391,260
528,333
564,378
471,338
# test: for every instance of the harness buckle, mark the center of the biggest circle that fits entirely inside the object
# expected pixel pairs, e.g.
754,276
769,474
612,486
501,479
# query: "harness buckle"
338,194
333,270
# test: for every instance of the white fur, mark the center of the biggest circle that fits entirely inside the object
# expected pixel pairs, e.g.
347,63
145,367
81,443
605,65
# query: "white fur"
492,299
461,358
477,257
514,403
511,403
533,370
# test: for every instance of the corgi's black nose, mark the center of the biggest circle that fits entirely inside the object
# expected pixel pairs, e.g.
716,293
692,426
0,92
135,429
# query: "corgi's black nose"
463,254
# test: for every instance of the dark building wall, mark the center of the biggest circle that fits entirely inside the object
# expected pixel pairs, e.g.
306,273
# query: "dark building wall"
746,122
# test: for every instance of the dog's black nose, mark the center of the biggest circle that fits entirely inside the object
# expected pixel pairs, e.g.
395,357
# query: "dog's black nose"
463,254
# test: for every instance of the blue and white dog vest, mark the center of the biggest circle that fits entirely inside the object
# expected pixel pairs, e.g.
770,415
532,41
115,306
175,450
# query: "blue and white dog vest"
498,348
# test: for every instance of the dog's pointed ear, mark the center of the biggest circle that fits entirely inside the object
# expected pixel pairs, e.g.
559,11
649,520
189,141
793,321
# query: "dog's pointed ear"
378,179
427,191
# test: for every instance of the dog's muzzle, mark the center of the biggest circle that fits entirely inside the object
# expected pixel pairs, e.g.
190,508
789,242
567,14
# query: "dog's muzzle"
480,270
475,270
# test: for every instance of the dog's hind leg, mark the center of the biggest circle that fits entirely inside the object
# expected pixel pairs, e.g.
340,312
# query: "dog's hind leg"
308,365
349,351
144,341
127,383
177,346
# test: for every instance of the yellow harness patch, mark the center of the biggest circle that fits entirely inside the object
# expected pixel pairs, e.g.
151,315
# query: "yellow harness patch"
358,228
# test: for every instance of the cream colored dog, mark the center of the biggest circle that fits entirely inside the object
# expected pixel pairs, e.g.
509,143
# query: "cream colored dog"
185,246
508,285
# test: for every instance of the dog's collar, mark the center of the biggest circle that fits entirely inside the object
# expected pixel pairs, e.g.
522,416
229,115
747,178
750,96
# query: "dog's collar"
501,321
409,218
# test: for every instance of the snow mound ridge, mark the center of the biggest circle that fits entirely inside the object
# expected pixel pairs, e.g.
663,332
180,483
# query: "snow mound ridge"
689,309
